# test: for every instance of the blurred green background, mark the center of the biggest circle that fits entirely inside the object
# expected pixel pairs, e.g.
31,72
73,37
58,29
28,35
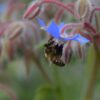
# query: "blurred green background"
67,83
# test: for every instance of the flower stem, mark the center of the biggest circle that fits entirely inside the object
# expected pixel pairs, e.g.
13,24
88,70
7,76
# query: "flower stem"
92,14
57,83
60,12
66,7
92,82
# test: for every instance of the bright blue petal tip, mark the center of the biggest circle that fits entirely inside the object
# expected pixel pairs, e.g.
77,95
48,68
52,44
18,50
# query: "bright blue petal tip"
41,22
78,38
82,40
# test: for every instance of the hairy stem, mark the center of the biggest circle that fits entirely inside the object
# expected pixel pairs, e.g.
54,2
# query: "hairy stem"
60,12
92,14
57,83
66,7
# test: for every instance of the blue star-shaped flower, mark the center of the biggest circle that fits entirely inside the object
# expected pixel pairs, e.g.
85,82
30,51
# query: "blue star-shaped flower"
54,30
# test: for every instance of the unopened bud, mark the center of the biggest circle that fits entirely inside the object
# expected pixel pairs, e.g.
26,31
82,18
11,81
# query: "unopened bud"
14,30
67,54
83,8
33,10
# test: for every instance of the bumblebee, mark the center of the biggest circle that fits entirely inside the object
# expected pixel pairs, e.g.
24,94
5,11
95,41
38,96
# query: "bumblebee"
53,52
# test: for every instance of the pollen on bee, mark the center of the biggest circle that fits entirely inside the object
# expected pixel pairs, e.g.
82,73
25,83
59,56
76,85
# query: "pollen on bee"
45,55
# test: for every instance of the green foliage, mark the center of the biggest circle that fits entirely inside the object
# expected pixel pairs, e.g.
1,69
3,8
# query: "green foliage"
4,96
45,92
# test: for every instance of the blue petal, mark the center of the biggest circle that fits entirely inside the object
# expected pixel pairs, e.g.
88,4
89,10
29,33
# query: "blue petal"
53,30
69,38
82,40
41,22
61,25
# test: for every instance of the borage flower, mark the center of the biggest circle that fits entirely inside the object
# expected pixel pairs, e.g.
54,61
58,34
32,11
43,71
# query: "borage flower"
55,49
55,31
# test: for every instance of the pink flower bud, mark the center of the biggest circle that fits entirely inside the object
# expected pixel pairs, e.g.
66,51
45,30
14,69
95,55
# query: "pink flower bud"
67,54
14,30
83,9
33,10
